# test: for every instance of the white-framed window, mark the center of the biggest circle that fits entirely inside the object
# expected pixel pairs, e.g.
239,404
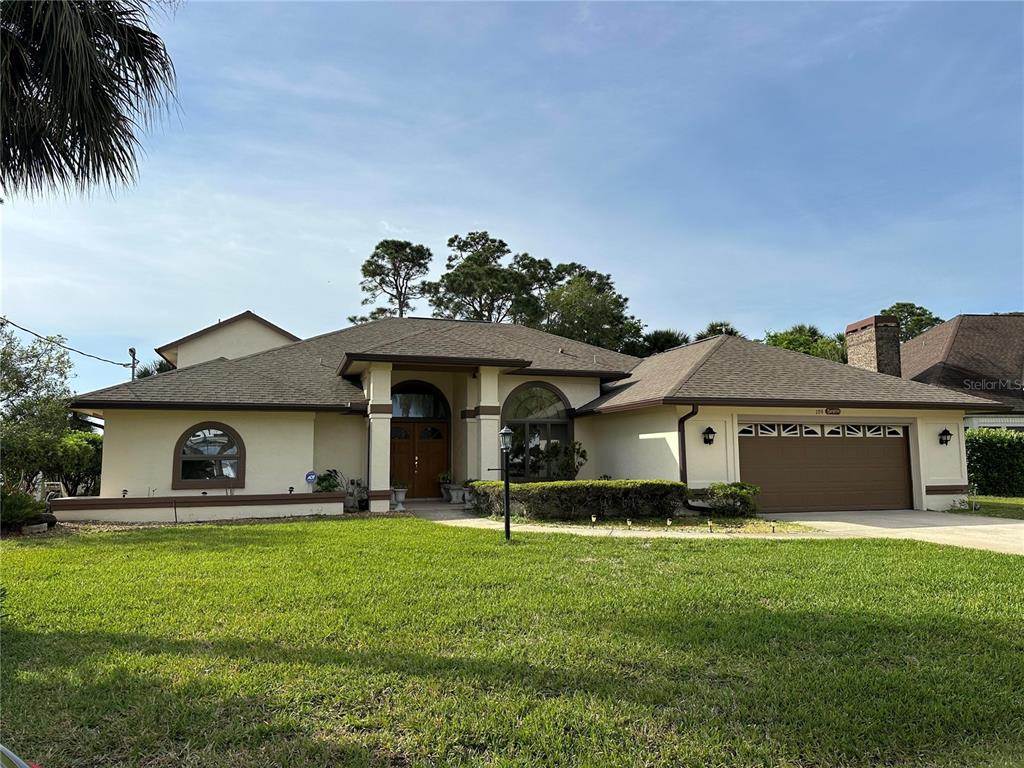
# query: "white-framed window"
894,431
746,430
874,430
812,430
790,430
768,430
854,430
833,430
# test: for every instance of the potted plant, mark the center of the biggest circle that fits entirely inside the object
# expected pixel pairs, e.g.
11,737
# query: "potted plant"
445,478
360,499
398,491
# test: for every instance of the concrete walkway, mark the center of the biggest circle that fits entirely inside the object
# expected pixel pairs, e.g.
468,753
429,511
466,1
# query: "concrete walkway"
973,531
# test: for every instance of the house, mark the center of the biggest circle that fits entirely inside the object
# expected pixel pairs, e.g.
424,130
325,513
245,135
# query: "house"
234,430
977,354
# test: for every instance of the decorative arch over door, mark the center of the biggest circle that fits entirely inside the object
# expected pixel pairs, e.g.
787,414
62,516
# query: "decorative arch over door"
420,446
540,418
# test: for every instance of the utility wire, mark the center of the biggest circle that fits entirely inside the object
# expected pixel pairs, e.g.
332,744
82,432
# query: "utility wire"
48,340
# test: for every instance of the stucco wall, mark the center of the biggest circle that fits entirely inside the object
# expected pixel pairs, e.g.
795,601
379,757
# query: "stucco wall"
138,449
242,337
339,442
640,444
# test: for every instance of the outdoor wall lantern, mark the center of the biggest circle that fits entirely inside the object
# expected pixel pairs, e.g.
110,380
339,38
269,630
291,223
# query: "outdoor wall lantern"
709,436
505,440
945,436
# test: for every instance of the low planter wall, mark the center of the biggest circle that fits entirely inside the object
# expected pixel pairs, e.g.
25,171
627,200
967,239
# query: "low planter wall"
191,509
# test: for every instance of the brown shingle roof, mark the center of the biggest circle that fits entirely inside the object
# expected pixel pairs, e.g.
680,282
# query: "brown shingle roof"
968,352
727,369
305,374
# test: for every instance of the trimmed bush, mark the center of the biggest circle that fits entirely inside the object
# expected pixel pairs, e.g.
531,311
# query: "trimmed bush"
995,461
18,508
732,499
579,499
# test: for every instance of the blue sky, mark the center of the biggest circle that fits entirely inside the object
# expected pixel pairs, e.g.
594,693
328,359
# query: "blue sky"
762,163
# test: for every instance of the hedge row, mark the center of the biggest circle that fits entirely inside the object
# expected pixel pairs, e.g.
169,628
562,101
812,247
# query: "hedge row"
579,499
995,461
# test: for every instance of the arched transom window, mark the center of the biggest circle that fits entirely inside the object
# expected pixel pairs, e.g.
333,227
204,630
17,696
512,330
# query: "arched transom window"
538,415
418,400
209,455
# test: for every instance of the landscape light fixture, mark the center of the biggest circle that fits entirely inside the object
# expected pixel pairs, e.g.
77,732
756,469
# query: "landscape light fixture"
945,436
709,436
505,440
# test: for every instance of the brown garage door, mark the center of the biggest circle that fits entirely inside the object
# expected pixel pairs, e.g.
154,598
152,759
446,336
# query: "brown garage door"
808,467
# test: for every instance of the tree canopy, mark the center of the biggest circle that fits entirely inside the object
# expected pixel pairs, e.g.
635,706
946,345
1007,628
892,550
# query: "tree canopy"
586,307
77,82
395,271
810,340
718,328
152,368
657,341
914,319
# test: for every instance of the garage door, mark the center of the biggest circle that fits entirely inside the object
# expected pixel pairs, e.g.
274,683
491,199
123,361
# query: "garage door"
809,467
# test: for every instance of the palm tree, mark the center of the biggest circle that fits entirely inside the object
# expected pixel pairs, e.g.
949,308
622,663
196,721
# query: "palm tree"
78,79
152,368
718,328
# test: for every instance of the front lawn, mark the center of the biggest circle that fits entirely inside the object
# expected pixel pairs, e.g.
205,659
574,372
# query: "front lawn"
400,642
997,506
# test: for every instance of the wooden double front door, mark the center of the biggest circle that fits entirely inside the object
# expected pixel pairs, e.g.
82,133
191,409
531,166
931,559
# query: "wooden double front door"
419,455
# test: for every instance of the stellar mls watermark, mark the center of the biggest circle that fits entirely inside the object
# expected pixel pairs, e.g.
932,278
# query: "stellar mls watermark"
994,385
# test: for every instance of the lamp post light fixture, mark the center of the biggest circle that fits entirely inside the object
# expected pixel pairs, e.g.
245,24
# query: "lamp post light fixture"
709,436
505,438
945,436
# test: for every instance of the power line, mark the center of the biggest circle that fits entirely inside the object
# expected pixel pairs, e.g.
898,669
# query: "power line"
48,340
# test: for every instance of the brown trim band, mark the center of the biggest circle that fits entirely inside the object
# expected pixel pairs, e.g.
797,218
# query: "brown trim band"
240,500
488,410
379,408
938,490
606,375
378,495
468,414
770,403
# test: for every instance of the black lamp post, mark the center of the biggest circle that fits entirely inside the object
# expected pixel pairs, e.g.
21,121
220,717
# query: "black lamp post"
505,436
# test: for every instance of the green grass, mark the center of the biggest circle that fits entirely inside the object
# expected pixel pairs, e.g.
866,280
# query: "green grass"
997,506
400,642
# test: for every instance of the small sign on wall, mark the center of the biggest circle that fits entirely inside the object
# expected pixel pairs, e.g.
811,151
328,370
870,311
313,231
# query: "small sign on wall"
828,411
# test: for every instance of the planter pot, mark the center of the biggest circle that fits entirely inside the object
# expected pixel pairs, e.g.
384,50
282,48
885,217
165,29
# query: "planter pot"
34,528
456,494
398,496
364,505
446,491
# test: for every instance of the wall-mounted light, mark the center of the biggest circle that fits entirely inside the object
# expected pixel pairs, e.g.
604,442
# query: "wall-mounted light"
945,436
124,492
709,436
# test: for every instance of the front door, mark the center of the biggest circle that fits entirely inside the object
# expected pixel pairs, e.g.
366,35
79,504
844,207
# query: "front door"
419,455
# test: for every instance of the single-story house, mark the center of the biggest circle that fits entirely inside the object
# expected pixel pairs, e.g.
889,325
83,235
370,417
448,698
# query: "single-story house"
977,354
250,411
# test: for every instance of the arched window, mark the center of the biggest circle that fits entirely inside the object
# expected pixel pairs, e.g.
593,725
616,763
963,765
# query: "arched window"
209,455
418,400
538,415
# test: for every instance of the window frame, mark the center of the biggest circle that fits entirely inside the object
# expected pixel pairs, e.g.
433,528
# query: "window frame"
180,483
569,421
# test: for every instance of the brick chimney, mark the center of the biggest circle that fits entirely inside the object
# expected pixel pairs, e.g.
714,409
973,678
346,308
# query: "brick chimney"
874,344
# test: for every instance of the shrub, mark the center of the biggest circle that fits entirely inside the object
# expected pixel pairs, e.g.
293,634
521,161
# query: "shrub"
329,481
579,499
732,499
995,461
18,508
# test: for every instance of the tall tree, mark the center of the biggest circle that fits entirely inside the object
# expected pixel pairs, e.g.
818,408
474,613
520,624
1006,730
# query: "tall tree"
77,81
718,328
586,307
152,368
810,340
914,319
654,342
395,270
479,285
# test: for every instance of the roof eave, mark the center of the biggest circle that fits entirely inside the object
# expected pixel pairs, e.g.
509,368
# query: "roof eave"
467,362
93,406
769,402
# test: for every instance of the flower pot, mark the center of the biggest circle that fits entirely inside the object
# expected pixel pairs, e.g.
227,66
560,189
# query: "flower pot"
457,494
398,496
446,491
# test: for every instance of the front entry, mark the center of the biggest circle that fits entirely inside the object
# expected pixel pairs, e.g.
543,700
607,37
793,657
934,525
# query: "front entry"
419,455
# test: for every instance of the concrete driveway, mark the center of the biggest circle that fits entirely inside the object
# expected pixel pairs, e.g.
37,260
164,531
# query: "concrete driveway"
994,533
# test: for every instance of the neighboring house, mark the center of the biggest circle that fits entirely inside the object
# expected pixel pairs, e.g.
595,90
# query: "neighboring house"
409,399
977,354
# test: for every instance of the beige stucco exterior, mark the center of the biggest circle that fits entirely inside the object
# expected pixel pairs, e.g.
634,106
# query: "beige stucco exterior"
282,446
241,337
